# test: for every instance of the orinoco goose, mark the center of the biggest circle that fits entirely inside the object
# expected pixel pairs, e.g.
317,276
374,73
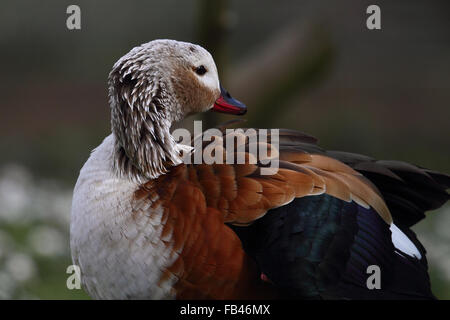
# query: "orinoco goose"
146,225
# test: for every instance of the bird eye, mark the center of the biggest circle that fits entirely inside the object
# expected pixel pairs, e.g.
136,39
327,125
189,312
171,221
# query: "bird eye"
200,70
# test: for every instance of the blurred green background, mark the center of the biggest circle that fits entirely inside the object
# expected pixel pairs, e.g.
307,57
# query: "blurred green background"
307,65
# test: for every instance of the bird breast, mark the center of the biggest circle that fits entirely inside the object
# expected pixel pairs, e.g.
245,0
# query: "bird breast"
115,240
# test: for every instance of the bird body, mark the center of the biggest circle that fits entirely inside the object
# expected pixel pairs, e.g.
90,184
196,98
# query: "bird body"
148,224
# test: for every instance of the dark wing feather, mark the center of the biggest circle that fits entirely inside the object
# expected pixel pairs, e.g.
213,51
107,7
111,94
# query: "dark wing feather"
408,190
321,247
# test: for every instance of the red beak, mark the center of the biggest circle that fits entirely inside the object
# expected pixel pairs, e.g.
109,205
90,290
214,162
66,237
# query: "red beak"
227,104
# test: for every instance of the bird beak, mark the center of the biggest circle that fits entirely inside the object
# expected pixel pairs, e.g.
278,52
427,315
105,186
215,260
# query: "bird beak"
227,104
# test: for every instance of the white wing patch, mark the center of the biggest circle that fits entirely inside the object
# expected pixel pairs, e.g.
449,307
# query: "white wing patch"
403,243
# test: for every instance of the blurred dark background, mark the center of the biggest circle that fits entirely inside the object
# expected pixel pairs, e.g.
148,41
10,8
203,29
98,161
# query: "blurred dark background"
301,64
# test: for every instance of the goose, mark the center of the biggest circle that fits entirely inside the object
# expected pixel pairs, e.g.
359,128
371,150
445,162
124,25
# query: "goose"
147,224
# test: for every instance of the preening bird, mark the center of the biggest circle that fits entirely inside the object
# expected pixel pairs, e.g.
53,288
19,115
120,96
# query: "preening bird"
146,223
